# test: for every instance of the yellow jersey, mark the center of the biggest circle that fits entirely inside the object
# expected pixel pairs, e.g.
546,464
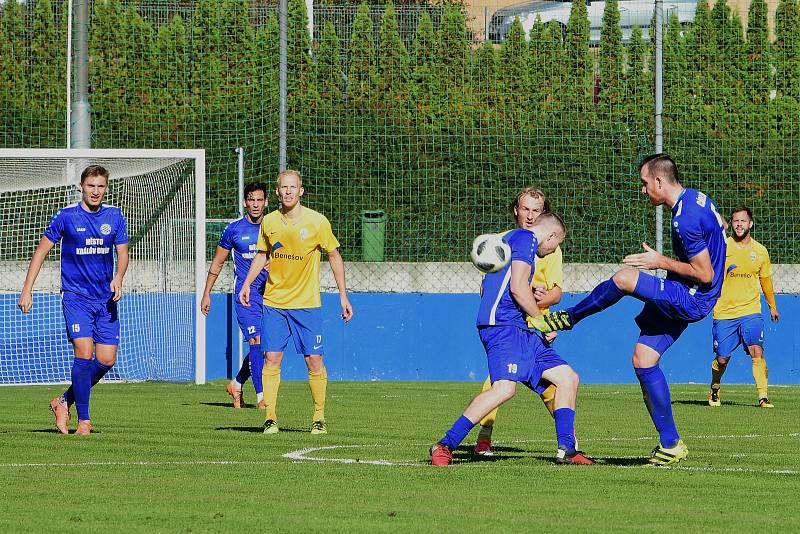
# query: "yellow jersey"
745,266
549,271
294,247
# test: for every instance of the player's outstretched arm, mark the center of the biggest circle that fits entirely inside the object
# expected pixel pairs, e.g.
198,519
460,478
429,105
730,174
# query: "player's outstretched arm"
258,263
337,266
698,269
220,256
122,268
769,295
25,302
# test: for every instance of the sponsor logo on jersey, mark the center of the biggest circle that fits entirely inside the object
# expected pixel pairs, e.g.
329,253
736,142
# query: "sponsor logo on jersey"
286,256
80,229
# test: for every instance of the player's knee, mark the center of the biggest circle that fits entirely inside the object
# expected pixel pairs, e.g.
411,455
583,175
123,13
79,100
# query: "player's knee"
504,389
723,360
626,279
756,352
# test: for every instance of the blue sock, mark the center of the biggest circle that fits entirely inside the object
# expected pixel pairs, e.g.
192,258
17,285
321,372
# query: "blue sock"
453,438
98,371
656,390
565,428
244,371
605,294
82,386
256,367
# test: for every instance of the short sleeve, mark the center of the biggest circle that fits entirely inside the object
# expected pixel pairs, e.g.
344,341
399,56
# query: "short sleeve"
121,238
523,246
327,241
554,269
226,239
55,230
691,235
263,233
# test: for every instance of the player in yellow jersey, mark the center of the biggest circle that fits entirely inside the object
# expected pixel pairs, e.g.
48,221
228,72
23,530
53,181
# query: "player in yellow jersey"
294,237
547,281
737,314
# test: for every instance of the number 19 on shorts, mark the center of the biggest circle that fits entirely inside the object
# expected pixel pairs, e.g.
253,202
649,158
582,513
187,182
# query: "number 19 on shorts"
512,368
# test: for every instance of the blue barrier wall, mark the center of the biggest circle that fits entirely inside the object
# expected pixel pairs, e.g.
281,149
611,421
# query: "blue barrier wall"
432,337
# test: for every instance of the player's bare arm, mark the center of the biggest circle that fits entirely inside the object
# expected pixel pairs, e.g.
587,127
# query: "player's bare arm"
122,268
220,256
520,290
546,297
337,267
698,269
769,295
258,263
25,302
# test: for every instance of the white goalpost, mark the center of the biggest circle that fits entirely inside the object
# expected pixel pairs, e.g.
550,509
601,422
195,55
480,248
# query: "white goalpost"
162,195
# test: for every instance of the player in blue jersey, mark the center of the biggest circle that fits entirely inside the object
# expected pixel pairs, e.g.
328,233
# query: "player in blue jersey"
515,353
692,287
90,233
241,236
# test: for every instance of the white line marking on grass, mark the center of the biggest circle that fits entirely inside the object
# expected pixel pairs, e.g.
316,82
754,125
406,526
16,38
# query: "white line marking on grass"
654,438
302,455
722,469
142,463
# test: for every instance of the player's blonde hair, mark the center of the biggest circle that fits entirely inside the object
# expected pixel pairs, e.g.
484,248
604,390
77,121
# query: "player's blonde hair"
287,172
530,192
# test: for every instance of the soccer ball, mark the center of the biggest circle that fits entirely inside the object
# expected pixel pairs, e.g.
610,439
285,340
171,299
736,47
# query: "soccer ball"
490,253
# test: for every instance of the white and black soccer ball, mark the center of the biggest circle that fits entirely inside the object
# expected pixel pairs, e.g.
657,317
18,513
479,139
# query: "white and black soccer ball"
490,253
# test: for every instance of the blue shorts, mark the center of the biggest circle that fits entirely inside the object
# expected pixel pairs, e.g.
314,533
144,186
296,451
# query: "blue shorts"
519,355
96,319
304,326
730,333
669,308
250,319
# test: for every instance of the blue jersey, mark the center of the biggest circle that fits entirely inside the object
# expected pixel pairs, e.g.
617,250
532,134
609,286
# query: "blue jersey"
87,248
241,236
497,306
696,225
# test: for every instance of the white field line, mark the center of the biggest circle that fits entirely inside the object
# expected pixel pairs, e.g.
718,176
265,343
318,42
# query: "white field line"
141,463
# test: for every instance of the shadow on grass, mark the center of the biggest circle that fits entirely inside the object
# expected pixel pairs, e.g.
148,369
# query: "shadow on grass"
622,461
695,402
54,431
260,429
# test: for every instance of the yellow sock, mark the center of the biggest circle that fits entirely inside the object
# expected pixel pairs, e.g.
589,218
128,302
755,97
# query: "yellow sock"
717,370
549,398
761,374
271,377
487,422
318,383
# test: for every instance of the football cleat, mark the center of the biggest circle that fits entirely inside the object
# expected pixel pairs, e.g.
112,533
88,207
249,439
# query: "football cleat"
271,427
764,402
483,447
551,321
319,427
441,455
713,398
61,411
669,456
236,395
84,428
573,458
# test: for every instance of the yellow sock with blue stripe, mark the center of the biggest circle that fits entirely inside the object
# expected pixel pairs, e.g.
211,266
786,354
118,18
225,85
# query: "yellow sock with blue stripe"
271,378
318,383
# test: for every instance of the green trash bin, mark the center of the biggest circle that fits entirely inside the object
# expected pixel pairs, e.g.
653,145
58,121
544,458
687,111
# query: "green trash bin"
373,233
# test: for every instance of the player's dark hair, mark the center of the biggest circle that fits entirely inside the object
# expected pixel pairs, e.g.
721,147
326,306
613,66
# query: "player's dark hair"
255,186
552,218
745,209
662,165
530,192
94,170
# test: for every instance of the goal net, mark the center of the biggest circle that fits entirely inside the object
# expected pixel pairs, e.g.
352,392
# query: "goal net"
162,196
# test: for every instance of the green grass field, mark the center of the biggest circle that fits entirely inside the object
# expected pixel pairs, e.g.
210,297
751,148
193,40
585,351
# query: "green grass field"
177,458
